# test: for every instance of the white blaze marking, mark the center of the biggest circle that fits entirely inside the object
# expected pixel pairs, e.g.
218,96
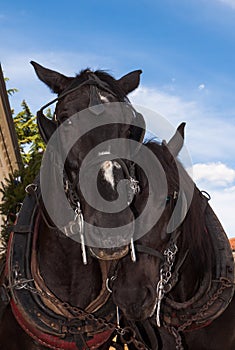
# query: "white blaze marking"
103,98
107,168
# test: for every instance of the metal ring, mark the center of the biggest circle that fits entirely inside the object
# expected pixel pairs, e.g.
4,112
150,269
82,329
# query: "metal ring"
107,283
206,194
128,336
31,187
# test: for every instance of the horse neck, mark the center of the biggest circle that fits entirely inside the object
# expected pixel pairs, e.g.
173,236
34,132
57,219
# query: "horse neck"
61,266
194,244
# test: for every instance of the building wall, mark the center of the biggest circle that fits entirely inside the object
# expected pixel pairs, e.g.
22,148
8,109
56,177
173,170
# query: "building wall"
10,158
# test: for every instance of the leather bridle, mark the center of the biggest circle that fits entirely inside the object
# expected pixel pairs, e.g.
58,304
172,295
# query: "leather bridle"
96,107
94,82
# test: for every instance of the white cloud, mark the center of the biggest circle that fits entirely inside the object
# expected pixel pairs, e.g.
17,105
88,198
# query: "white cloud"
201,87
218,180
171,106
209,134
223,203
218,174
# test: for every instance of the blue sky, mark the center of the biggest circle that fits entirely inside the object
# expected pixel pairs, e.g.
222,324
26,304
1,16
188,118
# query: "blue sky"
186,49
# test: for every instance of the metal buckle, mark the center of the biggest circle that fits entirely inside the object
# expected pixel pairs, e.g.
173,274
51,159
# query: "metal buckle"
134,185
107,283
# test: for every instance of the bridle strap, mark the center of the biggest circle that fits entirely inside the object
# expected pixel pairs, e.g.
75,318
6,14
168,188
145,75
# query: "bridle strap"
124,167
107,268
90,81
150,251
99,160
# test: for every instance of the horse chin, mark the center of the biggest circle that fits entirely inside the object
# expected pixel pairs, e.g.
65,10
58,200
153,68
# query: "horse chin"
136,311
137,315
109,253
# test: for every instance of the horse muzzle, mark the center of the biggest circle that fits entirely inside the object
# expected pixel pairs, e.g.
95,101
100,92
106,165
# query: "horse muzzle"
109,253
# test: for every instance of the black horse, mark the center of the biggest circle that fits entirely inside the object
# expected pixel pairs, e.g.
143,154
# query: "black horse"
53,292
180,292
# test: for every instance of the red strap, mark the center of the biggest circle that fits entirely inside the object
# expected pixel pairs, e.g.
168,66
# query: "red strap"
51,341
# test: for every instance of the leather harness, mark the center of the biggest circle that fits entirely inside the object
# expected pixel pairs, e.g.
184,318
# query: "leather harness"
41,314
216,290
49,323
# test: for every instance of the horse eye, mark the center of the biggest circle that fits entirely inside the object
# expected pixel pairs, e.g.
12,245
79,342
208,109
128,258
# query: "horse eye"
66,121
110,98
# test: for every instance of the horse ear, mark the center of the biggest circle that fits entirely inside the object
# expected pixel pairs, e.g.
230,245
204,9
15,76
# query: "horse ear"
177,141
130,81
57,82
46,126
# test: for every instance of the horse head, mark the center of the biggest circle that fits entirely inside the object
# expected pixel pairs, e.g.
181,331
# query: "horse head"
91,113
135,287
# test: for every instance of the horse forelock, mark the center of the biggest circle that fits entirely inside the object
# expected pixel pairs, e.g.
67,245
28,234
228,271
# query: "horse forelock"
105,77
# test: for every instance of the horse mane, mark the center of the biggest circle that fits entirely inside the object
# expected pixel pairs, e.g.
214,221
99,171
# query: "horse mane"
194,236
105,77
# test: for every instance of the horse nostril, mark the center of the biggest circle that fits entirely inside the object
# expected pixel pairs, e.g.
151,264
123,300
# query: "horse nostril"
136,303
135,300
135,309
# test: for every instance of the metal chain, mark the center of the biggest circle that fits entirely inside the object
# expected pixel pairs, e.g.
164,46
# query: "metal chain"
80,314
225,283
170,254
177,336
163,285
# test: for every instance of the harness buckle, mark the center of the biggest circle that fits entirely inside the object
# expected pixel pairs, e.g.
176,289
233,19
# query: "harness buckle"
134,185
133,189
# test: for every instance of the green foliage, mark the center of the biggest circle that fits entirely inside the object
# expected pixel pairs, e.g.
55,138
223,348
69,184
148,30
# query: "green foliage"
13,193
29,139
31,149
10,91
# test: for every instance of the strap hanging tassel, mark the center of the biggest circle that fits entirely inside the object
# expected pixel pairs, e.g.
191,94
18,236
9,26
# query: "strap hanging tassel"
132,248
80,220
